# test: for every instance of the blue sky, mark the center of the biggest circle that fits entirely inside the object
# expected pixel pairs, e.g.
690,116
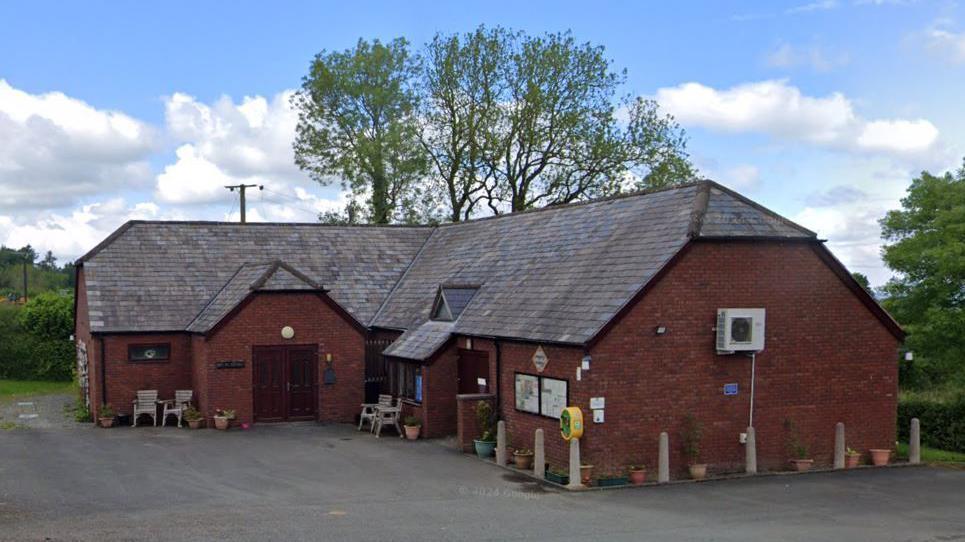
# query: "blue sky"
823,110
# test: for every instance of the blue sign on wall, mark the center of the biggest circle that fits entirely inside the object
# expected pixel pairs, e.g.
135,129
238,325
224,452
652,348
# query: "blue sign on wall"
730,389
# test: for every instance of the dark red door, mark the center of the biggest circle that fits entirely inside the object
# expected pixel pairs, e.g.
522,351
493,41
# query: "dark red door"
284,383
301,383
473,371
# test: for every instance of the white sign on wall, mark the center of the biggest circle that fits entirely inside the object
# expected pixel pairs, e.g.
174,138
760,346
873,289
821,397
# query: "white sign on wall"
540,360
597,402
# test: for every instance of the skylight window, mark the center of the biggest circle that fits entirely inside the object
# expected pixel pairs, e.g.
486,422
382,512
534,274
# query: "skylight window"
451,301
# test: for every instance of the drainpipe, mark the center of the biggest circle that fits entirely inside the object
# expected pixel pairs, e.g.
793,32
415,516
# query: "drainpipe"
103,374
499,379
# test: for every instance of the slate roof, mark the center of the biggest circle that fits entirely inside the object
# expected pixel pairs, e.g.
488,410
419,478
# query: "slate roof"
421,342
275,276
557,274
158,276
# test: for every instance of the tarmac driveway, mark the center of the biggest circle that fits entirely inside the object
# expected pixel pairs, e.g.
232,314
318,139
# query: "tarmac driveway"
314,482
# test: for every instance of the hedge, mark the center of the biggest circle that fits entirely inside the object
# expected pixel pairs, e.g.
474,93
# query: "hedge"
942,422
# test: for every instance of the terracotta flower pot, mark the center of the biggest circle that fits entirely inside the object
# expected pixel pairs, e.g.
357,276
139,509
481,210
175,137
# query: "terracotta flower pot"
106,422
586,474
195,424
523,461
880,456
852,460
698,471
220,422
638,476
802,465
412,431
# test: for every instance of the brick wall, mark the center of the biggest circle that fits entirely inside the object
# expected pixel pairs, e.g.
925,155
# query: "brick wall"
125,378
468,427
439,387
259,323
826,359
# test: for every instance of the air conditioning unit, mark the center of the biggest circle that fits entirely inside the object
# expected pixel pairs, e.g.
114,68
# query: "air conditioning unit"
740,330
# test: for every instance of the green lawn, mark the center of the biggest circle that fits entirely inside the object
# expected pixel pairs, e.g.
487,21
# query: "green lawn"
931,455
12,389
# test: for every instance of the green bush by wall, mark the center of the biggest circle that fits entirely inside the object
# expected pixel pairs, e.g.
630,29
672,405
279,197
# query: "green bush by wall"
942,421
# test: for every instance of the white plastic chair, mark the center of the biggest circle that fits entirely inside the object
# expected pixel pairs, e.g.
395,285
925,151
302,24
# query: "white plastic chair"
146,403
182,400
370,411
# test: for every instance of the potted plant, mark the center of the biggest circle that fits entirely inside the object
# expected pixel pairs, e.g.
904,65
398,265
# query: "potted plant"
851,458
798,450
412,427
106,416
223,417
586,474
611,481
691,439
523,458
193,417
880,456
558,476
638,474
486,443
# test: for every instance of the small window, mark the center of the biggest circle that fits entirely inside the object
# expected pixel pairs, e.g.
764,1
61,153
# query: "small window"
149,352
541,395
406,380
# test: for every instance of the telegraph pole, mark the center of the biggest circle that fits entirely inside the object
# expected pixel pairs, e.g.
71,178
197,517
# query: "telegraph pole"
241,192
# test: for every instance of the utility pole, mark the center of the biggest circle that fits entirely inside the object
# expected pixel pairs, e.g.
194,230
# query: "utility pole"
241,192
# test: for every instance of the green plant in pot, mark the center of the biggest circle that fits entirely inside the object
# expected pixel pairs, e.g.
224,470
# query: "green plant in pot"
797,448
523,458
193,417
412,427
106,415
852,458
223,417
692,434
486,443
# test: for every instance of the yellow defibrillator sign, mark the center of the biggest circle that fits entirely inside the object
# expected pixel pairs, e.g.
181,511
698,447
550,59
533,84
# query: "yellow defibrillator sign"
571,423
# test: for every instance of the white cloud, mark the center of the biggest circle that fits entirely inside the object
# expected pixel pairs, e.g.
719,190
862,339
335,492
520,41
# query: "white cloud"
782,111
787,56
57,149
942,40
741,177
72,234
820,5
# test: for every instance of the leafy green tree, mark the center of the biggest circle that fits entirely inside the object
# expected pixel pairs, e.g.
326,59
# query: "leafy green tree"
48,316
357,120
862,279
926,246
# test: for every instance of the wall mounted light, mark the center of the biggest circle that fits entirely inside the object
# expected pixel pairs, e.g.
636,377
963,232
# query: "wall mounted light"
660,330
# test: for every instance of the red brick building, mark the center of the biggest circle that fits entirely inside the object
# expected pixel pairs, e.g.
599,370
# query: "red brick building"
611,306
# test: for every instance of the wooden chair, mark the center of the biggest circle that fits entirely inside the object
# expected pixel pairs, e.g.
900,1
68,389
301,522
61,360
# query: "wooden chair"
370,411
182,400
387,416
146,403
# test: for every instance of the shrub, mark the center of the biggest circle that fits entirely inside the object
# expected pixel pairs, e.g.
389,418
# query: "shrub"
412,421
484,421
942,420
691,438
107,411
35,339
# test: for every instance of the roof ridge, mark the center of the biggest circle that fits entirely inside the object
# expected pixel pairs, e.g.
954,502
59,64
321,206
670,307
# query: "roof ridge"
215,296
701,201
273,270
747,201
402,277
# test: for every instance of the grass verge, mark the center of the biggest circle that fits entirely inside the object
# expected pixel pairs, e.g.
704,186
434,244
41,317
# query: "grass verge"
13,389
931,455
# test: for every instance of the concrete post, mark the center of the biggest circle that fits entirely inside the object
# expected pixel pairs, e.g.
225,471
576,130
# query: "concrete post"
575,482
500,442
663,459
539,455
750,452
839,446
914,442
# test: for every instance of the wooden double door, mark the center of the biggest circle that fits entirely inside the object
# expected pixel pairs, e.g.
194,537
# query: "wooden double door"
285,382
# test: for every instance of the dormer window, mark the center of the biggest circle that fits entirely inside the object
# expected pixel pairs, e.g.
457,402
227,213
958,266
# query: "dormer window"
450,302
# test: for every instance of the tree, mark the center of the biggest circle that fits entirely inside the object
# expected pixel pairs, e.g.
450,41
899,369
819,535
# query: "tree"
49,263
926,246
862,279
461,89
356,119
48,316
